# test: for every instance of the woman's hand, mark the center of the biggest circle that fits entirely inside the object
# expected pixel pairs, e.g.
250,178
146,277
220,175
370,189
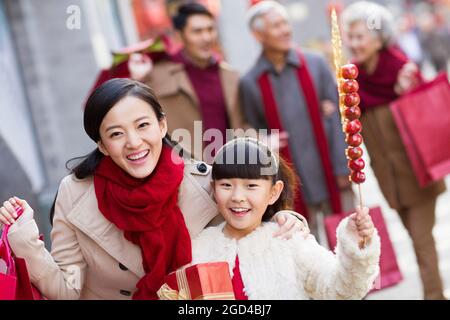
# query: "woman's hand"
8,214
289,224
361,226
139,65
408,78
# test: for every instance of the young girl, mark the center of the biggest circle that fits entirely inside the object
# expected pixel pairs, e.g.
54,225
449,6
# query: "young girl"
250,185
124,216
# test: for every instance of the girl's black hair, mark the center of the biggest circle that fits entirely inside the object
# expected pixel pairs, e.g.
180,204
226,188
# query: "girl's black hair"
101,100
246,158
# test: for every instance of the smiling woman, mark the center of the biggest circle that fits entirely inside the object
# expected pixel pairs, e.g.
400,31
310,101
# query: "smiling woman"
132,135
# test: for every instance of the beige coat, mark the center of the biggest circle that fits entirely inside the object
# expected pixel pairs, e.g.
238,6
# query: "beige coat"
90,258
180,103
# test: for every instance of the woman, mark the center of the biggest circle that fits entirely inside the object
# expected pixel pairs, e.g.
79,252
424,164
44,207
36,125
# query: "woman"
249,188
384,74
118,228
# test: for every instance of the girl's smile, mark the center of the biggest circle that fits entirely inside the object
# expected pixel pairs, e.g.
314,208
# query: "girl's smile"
243,202
240,212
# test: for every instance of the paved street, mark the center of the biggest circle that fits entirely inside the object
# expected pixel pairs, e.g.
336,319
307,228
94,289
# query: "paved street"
410,288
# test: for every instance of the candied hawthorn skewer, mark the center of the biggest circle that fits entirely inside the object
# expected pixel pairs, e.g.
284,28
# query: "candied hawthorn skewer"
346,75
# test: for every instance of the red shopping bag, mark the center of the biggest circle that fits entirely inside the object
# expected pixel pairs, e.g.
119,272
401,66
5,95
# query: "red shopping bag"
389,271
423,120
14,279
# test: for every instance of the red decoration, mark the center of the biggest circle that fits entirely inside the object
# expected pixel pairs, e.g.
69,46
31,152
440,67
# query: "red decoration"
349,71
356,165
354,152
352,113
353,127
358,177
349,86
350,99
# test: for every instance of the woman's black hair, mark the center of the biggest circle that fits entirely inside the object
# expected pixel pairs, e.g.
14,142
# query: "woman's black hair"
187,10
247,158
97,106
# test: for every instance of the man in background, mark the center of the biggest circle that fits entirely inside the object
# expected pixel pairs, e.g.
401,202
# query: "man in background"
294,91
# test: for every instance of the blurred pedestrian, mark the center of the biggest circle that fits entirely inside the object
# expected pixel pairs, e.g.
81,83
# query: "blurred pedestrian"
195,85
294,90
384,74
435,40
408,38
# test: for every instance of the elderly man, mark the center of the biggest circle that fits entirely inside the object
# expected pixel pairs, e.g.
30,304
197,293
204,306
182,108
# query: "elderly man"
295,92
194,85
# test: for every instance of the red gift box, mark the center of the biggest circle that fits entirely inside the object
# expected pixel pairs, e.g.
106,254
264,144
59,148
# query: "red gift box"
204,281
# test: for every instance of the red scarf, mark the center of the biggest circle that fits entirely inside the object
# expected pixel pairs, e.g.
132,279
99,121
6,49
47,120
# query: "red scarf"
313,105
238,283
377,89
148,213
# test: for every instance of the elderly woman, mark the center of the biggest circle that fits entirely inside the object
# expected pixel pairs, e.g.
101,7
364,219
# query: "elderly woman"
385,74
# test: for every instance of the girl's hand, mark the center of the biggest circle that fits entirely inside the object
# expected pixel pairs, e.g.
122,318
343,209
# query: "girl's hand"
8,214
289,225
361,226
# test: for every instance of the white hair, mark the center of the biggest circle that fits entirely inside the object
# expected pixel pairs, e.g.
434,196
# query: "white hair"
256,13
377,19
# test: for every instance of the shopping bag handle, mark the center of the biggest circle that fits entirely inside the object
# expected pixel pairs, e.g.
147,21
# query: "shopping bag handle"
6,253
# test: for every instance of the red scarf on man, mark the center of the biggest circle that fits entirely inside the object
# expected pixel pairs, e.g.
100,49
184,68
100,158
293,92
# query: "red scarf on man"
148,213
312,102
377,88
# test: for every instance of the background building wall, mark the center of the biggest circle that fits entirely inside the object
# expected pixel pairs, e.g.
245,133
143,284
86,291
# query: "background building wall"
57,68
16,126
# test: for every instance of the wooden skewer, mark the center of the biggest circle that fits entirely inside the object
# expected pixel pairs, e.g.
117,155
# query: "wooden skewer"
363,243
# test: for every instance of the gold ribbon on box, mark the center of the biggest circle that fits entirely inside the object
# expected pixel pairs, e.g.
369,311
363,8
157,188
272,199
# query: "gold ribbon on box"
167,293
184,293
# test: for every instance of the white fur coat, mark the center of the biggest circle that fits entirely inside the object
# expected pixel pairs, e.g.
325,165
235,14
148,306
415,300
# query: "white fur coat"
299,268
